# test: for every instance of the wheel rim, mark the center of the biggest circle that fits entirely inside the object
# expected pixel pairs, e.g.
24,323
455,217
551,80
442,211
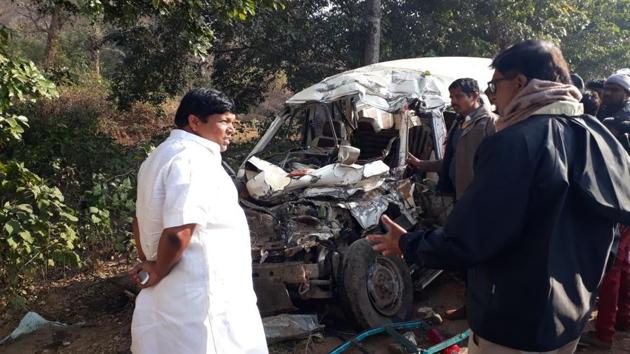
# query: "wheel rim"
384,285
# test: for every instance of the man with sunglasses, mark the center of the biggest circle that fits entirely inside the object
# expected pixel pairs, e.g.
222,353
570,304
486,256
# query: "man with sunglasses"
535,225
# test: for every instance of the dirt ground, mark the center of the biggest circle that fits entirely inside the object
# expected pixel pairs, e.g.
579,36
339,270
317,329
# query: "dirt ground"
99,311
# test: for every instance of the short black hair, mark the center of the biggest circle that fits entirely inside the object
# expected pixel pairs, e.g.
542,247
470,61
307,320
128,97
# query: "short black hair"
467,85
590,102
577,81
535,59
595,84
202,102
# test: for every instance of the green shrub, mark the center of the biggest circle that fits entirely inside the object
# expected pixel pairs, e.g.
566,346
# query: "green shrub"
68,145
38,228
110,208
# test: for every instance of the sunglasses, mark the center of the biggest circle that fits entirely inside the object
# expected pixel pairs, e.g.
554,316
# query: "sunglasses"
492,85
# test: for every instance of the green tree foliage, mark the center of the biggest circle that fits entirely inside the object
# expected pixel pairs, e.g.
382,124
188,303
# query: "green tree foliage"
163,41
96,174
38,228
601,43
20,80
593,34
151,73
160,48
312,39
307,40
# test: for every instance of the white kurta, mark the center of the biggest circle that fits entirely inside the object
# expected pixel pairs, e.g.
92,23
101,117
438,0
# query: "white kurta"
206,304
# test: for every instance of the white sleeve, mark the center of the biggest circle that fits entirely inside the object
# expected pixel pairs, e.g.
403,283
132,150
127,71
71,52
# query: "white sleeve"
184,195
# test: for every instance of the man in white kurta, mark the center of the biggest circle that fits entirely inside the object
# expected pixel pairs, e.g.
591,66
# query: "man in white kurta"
206,303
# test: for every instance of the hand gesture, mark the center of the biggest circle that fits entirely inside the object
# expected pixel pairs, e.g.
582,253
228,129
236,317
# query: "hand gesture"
413,161
387,244
150,269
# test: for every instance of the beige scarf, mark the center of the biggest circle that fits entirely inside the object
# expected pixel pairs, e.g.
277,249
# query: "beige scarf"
533,97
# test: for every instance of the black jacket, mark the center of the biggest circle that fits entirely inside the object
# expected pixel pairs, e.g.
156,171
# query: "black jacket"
620,112
534,229
618,118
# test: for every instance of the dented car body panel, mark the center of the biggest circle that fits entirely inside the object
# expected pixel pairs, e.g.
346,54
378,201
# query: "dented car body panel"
331,164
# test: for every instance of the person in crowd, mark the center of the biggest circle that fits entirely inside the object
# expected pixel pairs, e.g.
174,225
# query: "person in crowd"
193,240
474,122
536,223
597,86
591,102
613,310
577,81
616,98
615,109
490,98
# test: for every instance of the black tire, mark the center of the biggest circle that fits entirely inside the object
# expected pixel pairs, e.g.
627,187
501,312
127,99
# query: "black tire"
375,290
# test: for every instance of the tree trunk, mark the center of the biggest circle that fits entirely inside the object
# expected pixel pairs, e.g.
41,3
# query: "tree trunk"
95,49
52,40
96,61
373,38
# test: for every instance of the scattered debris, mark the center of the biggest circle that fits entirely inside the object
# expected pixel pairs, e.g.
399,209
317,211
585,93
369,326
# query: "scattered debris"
429,315
399,348
410,337
286,327
31,322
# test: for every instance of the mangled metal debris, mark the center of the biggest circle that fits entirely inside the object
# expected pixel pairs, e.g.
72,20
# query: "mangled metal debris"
268,180
388,85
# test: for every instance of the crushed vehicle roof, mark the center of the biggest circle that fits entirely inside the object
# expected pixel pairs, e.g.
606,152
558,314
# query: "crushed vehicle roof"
389,85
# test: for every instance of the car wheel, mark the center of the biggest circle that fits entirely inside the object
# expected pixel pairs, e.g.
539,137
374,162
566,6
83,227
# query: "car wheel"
375,290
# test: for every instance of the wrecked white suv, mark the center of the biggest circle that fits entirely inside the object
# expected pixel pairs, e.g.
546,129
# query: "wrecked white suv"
325,171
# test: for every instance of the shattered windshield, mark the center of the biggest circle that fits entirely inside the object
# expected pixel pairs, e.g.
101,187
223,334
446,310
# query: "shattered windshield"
290,137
